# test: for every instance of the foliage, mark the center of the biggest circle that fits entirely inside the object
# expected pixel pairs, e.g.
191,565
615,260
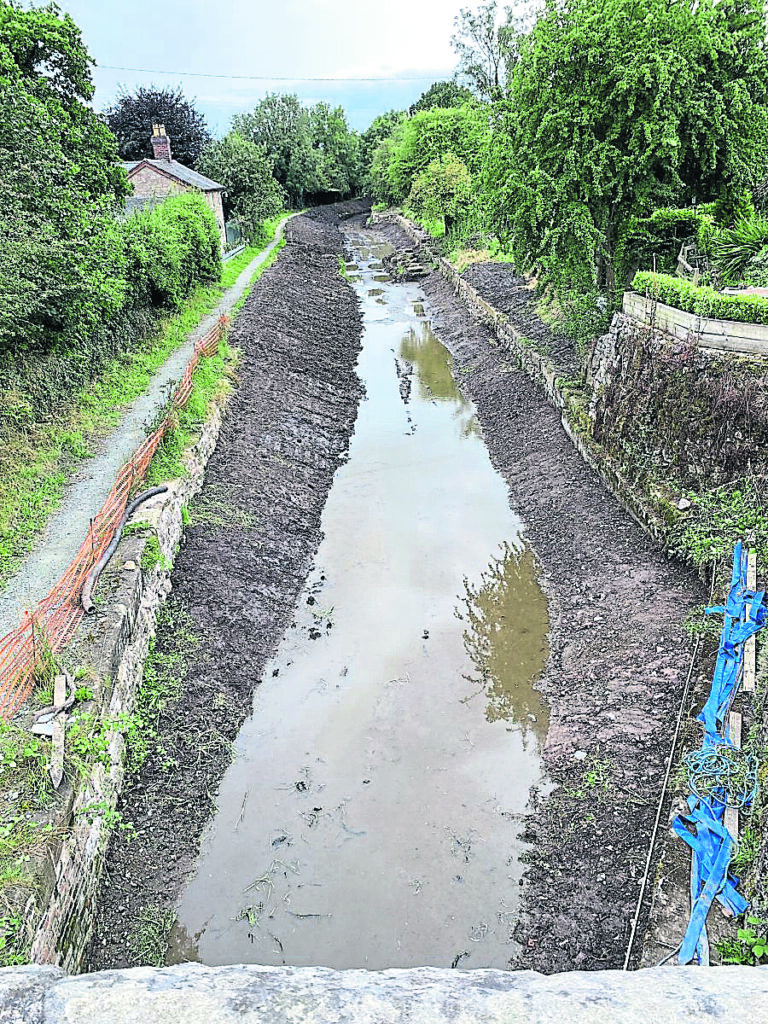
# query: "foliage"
617,130
313,150
442,190
581,316
720,518
132,115
485,48
734,249
59,184
701,299
655,241
148,941
252,194
441,94
750,945
430,135
381,128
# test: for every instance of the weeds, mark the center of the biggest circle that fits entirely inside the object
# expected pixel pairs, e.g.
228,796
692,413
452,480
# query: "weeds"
211,509
148,942
750,945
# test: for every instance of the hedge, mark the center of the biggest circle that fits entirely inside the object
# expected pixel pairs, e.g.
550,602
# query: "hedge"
661,236
701,300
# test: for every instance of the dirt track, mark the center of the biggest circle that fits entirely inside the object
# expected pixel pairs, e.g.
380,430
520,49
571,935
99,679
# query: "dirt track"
285,433
618,661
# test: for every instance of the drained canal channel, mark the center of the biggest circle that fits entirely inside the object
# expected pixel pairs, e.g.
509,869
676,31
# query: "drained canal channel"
383,745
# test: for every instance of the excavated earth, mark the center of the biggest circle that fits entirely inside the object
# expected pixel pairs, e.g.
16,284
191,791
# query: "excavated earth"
619,657
241,568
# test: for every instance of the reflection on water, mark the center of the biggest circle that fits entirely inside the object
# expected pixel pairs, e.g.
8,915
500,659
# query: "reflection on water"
506,639
434,374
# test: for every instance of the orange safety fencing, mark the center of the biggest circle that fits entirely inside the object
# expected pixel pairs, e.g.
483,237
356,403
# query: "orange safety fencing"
53,622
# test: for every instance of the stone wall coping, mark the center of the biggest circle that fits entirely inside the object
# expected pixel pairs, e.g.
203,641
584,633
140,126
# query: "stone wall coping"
250,994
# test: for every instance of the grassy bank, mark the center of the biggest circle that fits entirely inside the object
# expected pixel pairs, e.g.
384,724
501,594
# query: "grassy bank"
38,459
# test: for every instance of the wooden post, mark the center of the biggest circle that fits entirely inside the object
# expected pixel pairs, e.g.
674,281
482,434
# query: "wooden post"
749,646
56,769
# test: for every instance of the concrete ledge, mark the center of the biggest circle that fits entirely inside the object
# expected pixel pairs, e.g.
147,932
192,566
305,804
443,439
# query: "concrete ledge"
193,994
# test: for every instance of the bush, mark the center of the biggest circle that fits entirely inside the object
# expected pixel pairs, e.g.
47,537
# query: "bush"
701,300
734,249
442,191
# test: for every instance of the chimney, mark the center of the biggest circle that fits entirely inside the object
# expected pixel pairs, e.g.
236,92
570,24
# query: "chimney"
161,144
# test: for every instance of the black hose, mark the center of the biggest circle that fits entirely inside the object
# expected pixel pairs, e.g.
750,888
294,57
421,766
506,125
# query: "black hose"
86,598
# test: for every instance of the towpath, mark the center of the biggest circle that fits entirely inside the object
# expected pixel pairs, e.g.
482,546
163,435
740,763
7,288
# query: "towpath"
86,493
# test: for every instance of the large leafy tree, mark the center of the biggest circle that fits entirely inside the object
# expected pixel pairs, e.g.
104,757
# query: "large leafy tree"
442,94
245,169
278,123
461,131
615,108
62,261
132,115
313,151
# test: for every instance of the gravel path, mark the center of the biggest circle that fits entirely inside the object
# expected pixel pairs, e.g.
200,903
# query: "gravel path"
88,490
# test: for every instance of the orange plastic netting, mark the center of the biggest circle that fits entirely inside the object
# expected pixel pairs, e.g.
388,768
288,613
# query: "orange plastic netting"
52,624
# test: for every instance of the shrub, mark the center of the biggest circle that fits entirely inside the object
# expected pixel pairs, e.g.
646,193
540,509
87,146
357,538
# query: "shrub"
733,249
442,191
702,300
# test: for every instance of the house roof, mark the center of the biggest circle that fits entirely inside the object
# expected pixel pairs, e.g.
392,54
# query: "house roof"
173,169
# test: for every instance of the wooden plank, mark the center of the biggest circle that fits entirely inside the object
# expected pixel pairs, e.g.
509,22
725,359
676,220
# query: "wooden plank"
749,646
734,735
732,335
56,769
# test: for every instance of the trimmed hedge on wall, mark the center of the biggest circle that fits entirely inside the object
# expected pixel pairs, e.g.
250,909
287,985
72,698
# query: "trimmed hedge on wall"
701,300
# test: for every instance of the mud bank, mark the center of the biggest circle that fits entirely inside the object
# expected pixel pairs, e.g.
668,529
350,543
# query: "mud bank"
619,656
243,561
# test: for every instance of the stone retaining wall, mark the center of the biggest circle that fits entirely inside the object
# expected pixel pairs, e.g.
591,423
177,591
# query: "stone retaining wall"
112,642
546,375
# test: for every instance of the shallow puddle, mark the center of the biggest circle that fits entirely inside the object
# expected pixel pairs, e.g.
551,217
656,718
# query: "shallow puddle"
370,817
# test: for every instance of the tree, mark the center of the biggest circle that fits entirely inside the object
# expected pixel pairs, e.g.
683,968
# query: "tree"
133,114
278,123
60,183
252,193
484,48
462,131
443,190
644,105
381,128
442,94
312,148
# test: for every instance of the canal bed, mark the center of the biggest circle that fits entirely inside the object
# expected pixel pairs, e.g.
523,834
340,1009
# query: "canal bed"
370,817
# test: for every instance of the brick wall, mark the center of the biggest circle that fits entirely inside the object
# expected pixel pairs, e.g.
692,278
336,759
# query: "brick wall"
149,182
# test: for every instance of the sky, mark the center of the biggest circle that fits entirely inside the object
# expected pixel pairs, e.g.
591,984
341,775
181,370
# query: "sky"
406,42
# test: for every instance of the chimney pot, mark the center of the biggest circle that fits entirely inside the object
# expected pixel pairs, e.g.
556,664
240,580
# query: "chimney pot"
161,145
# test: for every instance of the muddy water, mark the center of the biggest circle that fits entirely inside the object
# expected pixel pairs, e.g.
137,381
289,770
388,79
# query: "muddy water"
370,817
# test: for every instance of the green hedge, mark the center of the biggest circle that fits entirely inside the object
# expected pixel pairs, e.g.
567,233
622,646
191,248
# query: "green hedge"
701,300
160,256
